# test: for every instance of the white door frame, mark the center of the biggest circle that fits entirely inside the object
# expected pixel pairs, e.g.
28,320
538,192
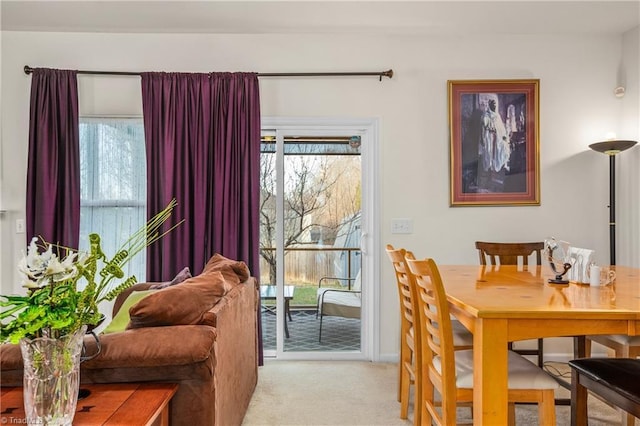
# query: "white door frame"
367,128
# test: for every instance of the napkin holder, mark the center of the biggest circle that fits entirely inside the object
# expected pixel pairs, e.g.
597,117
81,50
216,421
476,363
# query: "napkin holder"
580,260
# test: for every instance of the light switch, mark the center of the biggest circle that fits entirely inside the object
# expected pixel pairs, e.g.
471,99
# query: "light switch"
401,226
19,226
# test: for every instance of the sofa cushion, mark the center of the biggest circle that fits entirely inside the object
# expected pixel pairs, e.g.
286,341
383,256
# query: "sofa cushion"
233,270
182,304
121,319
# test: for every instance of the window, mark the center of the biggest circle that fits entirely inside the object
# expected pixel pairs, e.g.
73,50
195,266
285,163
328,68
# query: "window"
113,193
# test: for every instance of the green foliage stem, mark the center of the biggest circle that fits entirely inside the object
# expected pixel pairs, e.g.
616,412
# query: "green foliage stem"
58,308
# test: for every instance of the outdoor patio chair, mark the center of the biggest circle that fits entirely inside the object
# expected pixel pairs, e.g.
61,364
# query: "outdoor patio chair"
339,302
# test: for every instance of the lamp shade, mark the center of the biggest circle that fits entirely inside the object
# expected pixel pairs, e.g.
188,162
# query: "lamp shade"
612,147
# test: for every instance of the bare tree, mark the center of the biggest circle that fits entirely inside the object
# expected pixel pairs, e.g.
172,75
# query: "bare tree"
315,196
268,212
345,200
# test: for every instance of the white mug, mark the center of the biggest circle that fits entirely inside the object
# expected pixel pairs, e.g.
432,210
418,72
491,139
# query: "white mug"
600,276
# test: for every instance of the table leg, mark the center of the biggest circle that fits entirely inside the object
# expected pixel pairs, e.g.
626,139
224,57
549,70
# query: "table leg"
579,351
163,420
286,309
490,382
579,346
286,313
579,394
578,401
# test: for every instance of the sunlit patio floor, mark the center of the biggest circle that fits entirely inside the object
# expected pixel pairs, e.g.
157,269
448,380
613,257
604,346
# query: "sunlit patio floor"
338,334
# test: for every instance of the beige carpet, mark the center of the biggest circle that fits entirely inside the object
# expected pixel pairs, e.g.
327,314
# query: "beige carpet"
361,393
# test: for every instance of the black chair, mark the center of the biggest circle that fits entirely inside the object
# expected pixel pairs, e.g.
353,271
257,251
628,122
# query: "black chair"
616,380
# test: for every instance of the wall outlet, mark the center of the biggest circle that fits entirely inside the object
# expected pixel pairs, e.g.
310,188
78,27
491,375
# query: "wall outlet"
401,226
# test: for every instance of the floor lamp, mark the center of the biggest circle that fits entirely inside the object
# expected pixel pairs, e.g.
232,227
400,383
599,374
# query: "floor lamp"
612,148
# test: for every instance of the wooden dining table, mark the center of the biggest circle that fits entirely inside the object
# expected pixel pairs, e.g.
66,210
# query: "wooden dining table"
501,304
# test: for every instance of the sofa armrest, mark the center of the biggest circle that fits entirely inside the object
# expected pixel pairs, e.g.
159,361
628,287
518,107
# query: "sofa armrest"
151,353
153,347
236,352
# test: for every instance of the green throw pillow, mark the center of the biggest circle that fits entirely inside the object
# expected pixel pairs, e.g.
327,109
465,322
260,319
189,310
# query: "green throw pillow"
120,321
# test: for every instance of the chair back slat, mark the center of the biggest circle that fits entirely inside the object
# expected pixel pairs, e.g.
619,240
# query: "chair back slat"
437,335
509,253
410,344
404,280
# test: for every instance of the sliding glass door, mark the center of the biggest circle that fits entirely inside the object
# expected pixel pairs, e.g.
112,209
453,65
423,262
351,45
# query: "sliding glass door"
311,233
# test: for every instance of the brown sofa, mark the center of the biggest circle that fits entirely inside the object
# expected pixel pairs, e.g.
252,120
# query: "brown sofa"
215,361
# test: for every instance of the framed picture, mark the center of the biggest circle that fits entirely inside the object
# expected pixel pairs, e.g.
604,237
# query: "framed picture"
495,154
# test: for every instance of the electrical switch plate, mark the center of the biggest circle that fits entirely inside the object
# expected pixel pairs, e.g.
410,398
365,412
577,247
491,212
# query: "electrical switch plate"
19,226
401,226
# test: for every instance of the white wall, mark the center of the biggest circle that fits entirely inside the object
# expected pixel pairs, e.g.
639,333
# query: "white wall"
577,77
628,193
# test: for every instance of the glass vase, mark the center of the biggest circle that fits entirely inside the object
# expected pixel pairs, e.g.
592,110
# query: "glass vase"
51,378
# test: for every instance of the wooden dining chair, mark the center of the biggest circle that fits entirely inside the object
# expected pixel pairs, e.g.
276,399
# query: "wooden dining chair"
451,372
509,253
492,253
410,336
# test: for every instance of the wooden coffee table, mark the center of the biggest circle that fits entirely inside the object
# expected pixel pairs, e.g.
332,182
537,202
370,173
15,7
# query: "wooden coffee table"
131,404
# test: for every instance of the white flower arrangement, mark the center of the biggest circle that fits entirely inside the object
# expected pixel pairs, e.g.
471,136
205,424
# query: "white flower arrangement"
54,305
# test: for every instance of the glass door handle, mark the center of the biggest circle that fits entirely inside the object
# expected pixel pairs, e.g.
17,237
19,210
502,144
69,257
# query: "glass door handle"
363,242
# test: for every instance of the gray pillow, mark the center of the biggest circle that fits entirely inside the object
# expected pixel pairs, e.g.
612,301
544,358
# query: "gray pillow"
181,276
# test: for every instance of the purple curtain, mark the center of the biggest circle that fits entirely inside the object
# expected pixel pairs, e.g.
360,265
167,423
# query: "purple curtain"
234,182
177,117
53,170
202,134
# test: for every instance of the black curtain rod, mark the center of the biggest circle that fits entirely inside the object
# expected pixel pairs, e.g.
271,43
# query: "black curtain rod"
388,73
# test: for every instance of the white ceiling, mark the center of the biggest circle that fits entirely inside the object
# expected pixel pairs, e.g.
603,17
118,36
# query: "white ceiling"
338,16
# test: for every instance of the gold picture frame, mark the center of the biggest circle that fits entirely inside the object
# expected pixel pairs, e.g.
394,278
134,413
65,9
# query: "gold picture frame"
494,142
